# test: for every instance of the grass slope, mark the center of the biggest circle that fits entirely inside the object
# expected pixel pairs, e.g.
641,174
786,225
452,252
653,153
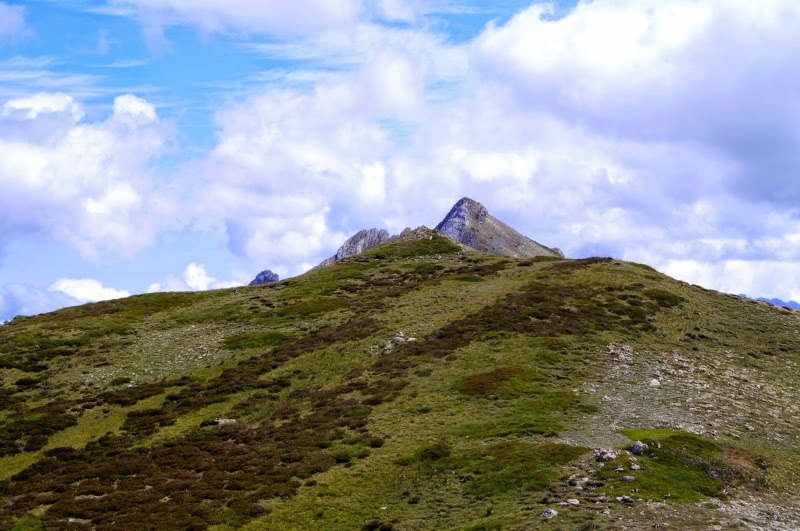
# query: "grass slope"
416,386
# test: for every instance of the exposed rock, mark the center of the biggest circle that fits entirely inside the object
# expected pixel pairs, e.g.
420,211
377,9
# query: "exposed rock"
620,351
605,454
358,243
634,466
470,224
638,448
573,502
624,499
265,277
549,513
628,479
654,383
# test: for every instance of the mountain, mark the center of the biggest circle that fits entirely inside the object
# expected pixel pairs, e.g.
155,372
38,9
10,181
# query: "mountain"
792,305
264,277
418,385
358,243
777,302
470,224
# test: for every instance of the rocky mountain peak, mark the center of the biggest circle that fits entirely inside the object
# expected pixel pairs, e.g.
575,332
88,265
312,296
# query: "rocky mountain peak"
265,277
469,223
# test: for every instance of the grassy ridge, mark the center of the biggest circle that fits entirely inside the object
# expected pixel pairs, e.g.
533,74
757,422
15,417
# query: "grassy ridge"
414,386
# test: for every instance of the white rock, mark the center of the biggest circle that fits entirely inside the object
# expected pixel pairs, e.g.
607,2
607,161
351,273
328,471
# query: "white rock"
655,383
549,513
573,502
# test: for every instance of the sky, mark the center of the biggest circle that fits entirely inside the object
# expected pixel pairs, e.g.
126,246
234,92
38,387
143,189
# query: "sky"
163,145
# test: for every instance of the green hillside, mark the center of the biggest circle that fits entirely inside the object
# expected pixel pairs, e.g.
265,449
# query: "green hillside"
416,386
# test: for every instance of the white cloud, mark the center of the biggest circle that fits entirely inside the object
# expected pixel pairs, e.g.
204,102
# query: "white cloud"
193,278
86,290
85,184
131,109
23,299
31,107
756,278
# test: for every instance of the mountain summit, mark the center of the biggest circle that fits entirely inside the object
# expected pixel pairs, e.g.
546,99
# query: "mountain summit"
470,224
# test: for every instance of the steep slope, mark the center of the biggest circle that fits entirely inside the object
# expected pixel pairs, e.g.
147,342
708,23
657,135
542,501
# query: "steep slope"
361,241
470,224
414,386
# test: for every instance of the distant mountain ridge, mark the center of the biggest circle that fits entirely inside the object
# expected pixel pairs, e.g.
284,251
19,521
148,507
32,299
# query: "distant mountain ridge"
794,305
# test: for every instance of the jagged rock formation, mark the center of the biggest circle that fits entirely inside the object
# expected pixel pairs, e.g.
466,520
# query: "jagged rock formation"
470,224
264,277
357,244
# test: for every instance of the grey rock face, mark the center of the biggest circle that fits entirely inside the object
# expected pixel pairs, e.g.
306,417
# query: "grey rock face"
470,224
264,277
357,244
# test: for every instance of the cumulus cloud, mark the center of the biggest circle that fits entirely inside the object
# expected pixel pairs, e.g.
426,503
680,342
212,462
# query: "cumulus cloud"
193,278
86,290
84,184
24,299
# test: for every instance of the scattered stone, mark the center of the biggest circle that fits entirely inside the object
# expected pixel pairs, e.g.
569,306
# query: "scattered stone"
573,502
620,351
628,479
624,499
605,454
634,466
549,513
223,422
638,448
619,469
654,383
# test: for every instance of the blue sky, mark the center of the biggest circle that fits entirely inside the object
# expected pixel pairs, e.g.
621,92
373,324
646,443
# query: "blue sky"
188,144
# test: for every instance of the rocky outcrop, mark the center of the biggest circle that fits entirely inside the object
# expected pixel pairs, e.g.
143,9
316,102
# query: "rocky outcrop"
357,244
470,224
265,277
